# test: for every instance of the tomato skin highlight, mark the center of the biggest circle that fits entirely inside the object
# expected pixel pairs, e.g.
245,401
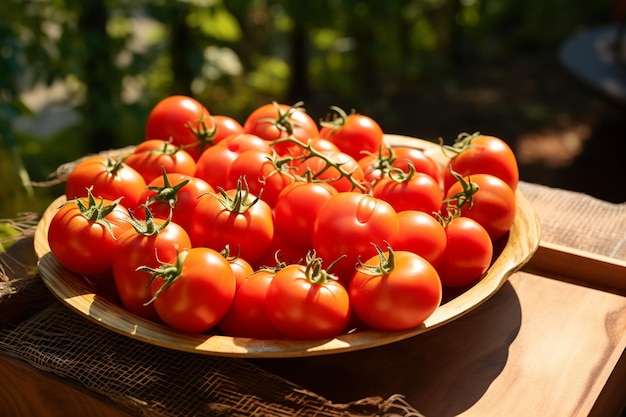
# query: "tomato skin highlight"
247,315
301,309
486,155
180,119
108,179
133,250
422,234
419,192
468,254
187,198
493,205
356,135
348,224
296,209
81,245
248,234
397,300
151,157
202,294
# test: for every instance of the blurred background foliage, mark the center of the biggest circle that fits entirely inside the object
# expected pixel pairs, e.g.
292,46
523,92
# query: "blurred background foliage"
81,76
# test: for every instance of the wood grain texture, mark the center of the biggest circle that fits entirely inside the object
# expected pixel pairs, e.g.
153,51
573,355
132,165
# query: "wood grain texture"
26,392
521,243
539,347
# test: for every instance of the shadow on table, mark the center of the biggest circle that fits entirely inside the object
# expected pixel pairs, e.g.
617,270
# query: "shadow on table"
441,373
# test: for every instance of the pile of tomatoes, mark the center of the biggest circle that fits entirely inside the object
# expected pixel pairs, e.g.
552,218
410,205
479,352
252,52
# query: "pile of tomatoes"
282,227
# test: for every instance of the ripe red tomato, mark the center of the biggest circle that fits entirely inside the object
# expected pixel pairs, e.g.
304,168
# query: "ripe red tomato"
421,162
144,245
236,219
423,234
180,196
196,293
395,290
492,206
183,120
304,303
152,156
335,168
296,209
108,178
265,174
247,315
468,252
480,154
82,235
354,134
348,225
413,191
274,121
224,127
214,163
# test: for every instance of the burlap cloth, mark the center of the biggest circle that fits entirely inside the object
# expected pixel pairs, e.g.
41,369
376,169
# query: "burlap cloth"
153,381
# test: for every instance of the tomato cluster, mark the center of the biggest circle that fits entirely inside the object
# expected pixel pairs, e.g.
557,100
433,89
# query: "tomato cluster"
280,227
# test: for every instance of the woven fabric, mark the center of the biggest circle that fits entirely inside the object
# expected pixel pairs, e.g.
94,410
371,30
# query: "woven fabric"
145,379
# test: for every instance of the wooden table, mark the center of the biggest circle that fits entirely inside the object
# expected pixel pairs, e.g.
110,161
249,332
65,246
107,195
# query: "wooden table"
551,342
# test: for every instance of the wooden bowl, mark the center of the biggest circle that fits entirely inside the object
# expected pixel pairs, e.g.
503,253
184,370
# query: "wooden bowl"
515,250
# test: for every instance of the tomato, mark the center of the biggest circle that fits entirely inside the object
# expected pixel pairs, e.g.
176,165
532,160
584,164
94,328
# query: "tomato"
108,178
421,162
354,134
178,193
403,158
146,245
193,291
235,218
480,154
151,157
82,235
411,191
468,252
296,209
224,126
273,121
304,302
423,234
279,253
247,315
214,163
183,120
241,269
336,168
492,205
395,290
348,225
266,175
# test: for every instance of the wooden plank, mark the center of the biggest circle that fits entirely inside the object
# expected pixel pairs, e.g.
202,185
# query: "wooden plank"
579,267
539,347
26,392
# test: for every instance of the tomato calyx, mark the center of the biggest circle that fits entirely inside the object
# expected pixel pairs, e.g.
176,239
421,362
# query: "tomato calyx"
466,195
167,192
167,272
283,120
204,135
315,273
461,144
239,202
385,265
95,212
338,120
168,149
311,152
149,227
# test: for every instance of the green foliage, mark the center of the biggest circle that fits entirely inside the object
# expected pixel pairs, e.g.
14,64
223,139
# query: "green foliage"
117,58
